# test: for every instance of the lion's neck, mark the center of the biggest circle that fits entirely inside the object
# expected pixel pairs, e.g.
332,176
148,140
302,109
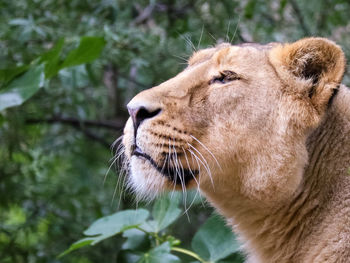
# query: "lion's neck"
280,233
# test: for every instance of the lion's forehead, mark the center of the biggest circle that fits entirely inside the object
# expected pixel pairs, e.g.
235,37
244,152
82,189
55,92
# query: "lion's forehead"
226,51
248,61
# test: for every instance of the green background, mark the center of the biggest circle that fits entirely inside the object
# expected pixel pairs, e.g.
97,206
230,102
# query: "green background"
67,70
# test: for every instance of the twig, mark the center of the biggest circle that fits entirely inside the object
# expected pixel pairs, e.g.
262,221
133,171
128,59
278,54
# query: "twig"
189,253
144,15
111,81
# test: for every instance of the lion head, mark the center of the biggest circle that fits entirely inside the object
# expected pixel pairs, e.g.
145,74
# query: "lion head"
234,122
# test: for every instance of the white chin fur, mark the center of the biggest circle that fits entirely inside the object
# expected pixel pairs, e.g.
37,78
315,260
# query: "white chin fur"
145,180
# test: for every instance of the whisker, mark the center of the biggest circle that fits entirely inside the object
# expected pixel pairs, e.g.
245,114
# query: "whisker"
212,36
170,161
199,172
206,166
195,179
172,164
227,31
177,167
182,179
196,159
206,148
109,168
160,148
191,204
191,43
182,58
200,38
189,167
115,157
123,176
116,141
188,41
164,163
122,170
119,152
234,33
114,193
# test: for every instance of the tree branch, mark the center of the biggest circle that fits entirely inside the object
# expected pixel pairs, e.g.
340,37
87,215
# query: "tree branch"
113,125
133,81
93,136
81,125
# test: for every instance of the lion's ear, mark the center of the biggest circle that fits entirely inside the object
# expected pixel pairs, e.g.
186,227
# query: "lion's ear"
312,66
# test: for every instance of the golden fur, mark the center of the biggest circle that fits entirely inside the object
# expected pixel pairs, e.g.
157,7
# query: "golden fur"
260,130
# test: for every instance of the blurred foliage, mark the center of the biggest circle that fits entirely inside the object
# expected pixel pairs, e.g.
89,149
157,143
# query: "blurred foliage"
67,69
148,240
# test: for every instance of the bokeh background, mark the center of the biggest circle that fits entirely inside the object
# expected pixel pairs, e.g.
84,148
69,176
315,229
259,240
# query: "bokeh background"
55,146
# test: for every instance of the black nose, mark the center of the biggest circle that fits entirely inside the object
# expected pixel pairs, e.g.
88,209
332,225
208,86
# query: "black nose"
139,114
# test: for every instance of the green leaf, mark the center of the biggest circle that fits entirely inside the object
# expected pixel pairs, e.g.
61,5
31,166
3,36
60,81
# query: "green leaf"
214,240
135,239
22,88
88,50
160,254
165,211
79,244
54,52
19,22
126,256
150,226
108,226
6,75
52,59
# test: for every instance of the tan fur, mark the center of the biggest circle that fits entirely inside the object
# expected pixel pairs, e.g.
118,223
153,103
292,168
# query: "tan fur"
276,147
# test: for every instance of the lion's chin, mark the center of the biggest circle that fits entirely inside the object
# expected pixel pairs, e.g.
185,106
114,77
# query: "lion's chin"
148,182
145,180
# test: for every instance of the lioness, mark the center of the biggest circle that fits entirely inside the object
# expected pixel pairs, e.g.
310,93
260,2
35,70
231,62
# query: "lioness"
264,132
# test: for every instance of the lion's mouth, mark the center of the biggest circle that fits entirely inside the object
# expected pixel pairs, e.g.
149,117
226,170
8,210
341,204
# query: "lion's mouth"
178,176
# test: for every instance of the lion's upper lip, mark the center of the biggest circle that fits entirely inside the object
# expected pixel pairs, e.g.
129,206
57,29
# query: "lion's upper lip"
170,171
137,151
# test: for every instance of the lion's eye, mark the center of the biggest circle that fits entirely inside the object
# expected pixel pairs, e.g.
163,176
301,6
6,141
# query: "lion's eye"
225,77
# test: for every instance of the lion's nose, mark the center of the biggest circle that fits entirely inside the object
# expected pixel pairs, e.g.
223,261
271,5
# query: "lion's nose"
140,113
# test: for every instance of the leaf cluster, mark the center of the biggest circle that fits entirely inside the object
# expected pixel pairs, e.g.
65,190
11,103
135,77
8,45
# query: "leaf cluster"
146,239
